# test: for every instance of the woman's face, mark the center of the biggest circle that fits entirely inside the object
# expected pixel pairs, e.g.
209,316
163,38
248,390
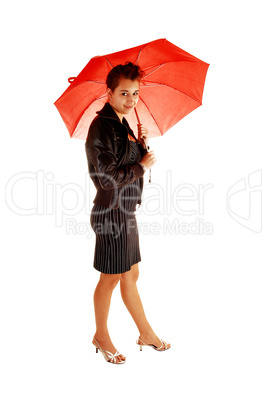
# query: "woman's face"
125,96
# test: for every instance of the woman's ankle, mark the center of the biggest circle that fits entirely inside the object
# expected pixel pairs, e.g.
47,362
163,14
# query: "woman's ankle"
102,335
148,335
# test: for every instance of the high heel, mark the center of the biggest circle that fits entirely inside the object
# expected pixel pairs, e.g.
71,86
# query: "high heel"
161,348
110,358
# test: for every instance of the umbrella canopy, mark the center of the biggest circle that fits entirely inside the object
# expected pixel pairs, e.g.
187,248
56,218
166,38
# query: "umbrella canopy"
171,88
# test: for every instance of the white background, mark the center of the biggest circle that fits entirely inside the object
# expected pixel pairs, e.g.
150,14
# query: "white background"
204,293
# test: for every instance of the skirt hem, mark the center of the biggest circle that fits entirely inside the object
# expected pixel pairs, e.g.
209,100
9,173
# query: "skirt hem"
119,271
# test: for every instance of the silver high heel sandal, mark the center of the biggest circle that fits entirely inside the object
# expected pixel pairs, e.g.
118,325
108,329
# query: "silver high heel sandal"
110,358
161,348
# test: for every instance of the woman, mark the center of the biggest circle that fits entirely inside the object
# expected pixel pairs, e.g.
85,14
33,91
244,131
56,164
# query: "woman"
117,161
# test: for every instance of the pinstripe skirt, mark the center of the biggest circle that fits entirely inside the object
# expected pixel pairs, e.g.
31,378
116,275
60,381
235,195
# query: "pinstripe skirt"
117,239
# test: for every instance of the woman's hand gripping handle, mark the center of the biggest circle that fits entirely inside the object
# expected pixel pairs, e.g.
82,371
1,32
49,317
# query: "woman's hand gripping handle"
149,158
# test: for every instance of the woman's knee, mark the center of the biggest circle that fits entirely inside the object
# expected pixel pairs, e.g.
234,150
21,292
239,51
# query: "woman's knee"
131,276
109,280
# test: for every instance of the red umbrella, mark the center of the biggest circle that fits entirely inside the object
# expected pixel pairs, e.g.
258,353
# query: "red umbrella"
171,88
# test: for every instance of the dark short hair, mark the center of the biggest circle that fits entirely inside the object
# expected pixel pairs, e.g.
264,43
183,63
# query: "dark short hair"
127,70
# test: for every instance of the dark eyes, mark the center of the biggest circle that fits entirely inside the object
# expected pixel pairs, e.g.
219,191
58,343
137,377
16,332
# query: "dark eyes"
134,94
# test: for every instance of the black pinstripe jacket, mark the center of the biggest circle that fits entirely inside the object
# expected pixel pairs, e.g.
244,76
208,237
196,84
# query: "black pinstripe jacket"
107,147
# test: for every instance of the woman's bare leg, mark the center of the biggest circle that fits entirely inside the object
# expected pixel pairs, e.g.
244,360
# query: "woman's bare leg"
134,305
102,298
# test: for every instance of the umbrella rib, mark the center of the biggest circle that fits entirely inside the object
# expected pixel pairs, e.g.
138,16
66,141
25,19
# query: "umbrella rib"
109,62
101,97
70,89
158,84
143,46
151,114
95,82
163,64
137,58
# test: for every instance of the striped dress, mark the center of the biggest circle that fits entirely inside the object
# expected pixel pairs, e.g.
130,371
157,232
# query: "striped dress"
116,230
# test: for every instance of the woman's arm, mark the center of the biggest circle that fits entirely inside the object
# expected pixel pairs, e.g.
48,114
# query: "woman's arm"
100,148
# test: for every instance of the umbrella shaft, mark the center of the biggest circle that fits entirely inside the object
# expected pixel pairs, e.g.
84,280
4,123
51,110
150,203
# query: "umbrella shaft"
137,116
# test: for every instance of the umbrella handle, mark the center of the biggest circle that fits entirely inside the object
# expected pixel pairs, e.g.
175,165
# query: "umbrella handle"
149,179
